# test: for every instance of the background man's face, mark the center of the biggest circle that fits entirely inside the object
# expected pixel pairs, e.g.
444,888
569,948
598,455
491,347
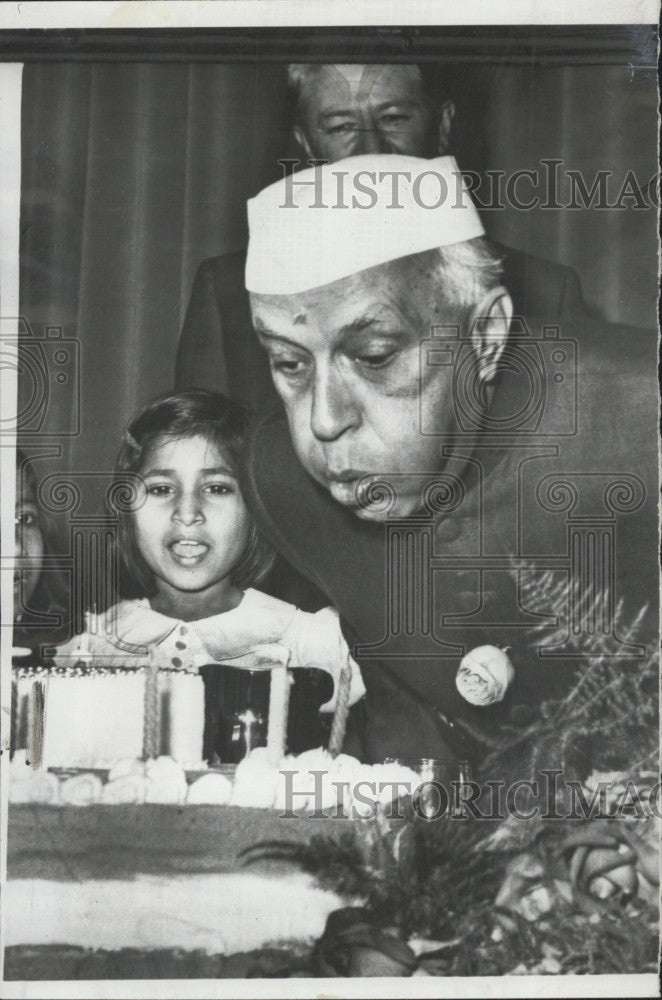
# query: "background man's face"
345,359
353,110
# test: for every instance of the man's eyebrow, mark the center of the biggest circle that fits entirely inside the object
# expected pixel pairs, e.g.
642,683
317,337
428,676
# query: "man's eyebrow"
362,323
394,102
325,115
398,102
264,331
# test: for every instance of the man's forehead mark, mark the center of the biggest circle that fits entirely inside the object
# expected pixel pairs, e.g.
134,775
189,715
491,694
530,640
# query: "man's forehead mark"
369,78
361,89
299,317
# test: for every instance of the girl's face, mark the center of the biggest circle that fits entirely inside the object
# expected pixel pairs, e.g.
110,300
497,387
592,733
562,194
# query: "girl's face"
29,548
193,526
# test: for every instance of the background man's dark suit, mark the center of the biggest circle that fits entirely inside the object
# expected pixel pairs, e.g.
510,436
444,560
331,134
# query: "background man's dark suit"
218,349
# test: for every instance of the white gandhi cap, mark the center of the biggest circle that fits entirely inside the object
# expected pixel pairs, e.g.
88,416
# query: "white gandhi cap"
336,219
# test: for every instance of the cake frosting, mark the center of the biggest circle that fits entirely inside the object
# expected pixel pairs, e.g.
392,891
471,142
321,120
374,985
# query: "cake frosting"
311,782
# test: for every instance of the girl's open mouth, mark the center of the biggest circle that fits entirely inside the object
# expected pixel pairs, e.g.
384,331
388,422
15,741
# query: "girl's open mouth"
188,550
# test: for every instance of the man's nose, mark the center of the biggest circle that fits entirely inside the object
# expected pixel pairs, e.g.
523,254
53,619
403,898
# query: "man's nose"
372,140
333,410
187,509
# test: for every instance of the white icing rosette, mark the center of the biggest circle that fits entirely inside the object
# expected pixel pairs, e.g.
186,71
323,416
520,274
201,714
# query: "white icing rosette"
210,789
374,787
304,789
126,766
165,793
128,789
394,781
166,782
255,781
484,675
20,776
364,791
81,790
348,770
45,788
20,792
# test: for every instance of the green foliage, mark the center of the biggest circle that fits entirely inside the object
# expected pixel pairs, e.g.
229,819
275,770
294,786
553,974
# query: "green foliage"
444,888
608,720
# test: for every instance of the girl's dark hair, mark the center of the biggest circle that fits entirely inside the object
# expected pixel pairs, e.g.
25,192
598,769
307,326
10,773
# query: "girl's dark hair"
222,422
51,595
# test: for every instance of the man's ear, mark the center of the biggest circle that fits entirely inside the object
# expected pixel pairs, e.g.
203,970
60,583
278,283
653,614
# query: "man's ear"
302,141
490,322
444,127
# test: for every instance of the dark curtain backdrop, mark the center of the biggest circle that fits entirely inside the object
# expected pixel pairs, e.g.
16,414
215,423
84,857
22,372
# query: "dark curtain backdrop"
133,173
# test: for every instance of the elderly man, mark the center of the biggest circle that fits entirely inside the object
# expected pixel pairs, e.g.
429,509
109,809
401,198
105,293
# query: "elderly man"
342,110
437,452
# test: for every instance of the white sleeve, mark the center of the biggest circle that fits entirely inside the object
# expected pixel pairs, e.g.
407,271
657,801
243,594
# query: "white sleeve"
317,641
89,648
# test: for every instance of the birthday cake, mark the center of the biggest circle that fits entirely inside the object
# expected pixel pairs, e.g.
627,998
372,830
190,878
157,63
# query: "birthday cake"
153,862
110,721
123,834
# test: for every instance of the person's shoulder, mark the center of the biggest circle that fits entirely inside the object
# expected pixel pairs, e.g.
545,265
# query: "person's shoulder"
610,348
593,349
224,268
272,459
256,601
522,261
541,286
121,610
609,375
274,616
270,430
276,478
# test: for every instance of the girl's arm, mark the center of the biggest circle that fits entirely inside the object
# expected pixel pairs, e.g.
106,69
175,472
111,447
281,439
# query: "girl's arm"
316,640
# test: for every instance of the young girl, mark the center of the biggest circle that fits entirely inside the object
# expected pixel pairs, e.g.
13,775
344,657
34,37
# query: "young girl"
41,608
190,555
41,605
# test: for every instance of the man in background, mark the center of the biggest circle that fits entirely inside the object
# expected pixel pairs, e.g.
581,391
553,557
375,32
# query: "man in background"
340,111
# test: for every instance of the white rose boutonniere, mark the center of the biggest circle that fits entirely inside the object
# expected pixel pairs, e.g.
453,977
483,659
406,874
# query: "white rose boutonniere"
484,675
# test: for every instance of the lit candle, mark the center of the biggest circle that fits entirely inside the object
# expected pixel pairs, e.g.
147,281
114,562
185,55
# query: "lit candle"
36,709
339,724
151,716
279,703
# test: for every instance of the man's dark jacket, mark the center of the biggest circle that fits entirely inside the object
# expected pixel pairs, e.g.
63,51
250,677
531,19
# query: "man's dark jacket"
561,479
